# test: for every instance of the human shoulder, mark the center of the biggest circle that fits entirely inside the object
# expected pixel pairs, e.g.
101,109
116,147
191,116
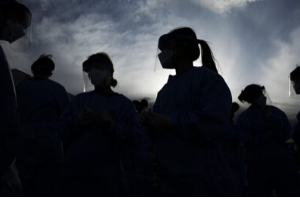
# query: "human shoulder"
245,114
205,76
23,84
122,98
81,95
55,86
276,110
54,83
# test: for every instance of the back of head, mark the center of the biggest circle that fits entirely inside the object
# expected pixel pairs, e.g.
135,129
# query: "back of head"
192,49
43,66
250,93
138,106
104,56
145,104
235,107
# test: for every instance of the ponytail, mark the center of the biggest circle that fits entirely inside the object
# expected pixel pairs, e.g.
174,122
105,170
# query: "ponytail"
207,56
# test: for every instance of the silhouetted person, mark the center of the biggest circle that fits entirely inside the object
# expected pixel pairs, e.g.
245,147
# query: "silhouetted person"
263,130
294,91
41,101
14,18
99,126
189,120
145,104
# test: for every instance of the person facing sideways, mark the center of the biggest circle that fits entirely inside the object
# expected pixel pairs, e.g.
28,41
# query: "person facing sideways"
15,19
189,120
98,127
295,91
232,150
263,130
41,101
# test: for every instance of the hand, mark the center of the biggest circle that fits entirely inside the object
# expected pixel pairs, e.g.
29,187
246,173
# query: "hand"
84,118
155,121
106,119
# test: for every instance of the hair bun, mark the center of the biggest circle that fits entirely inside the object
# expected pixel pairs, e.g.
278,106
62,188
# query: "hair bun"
113,82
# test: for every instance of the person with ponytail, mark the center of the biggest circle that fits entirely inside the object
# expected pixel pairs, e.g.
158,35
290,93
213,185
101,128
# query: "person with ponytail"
263,130
98,127
189,120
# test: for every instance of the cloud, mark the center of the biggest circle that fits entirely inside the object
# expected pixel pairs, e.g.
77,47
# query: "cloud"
223,6
277,68
128,31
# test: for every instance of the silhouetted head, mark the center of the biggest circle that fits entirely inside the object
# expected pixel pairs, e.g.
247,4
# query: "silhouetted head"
145,104
13,13
100,61
184,42
43,66
253,94
138,106
234,108
295,79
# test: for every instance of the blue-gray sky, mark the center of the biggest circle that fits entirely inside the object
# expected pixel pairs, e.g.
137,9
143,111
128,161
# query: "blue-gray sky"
254,41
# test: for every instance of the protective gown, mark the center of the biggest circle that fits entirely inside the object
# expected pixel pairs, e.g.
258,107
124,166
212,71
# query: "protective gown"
270,164
296,131
93,165
139,168
190,160
10,184
232,150
39,160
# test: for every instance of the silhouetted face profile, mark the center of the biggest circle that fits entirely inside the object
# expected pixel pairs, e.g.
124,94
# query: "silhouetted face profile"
296,86
176,46
15,22
295,80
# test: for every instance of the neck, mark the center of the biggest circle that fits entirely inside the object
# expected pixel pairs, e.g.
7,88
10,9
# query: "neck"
104,90
182,67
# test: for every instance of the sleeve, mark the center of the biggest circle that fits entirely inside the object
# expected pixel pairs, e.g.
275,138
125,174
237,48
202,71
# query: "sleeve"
126,130
296,131
231,135
62,99
211,118
280,125
251,137
296,134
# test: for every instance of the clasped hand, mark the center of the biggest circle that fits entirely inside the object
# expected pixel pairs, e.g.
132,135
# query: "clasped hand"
86,117
155,121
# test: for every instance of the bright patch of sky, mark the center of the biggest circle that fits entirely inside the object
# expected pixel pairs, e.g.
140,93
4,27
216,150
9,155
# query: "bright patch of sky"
254,41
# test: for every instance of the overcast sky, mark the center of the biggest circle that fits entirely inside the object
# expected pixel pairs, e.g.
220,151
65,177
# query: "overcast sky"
254,41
